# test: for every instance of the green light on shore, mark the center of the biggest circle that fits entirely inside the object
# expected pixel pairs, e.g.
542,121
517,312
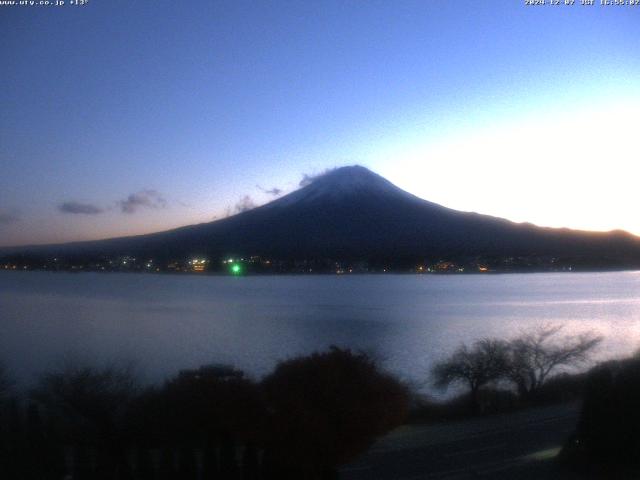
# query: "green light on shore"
236,269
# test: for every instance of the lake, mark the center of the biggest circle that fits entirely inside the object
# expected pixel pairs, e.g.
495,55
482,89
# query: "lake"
165,323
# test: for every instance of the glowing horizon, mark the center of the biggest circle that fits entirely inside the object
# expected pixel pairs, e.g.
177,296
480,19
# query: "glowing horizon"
143,127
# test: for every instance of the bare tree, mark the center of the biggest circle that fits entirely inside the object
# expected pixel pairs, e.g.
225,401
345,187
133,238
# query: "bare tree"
534,356
474,367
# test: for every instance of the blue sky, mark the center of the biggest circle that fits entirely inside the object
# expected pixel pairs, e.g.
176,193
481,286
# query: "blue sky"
125,117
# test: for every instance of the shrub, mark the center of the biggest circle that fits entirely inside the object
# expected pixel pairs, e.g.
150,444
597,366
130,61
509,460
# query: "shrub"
607,432
327,408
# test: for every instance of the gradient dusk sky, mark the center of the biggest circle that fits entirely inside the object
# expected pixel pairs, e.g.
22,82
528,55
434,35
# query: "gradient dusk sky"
122,117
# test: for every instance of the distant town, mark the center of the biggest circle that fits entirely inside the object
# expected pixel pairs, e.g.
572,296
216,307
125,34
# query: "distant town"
241,265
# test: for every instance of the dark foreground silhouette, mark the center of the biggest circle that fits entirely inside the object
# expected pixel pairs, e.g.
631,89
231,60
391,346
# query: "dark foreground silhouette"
316,413
607,440
311,415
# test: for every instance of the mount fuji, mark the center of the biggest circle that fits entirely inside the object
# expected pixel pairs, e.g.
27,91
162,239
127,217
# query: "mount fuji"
351,213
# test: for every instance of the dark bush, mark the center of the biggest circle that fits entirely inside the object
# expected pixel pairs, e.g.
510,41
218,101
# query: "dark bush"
608,433
85,407
309,416
327,408
199,407
87,404
564,387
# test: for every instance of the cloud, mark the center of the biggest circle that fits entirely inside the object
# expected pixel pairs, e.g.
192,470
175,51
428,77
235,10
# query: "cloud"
306,180
78,208
246,203
275,191
309,179
7,217
142,199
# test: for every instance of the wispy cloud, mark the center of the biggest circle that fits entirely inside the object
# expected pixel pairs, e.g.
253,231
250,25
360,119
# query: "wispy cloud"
246,203
142,199
308,179
78,208
275,191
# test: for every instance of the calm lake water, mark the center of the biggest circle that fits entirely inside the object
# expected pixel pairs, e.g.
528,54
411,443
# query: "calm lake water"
165,323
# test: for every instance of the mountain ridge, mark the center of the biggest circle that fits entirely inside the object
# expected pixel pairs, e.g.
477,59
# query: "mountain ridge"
353,213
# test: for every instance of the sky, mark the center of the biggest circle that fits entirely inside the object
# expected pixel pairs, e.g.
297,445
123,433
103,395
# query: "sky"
125,117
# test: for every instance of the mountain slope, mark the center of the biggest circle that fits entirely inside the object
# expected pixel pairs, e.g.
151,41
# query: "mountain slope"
352,213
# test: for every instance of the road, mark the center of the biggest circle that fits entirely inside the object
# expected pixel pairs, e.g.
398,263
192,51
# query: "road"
508,446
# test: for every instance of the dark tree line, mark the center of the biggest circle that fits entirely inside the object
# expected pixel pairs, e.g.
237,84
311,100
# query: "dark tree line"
308,417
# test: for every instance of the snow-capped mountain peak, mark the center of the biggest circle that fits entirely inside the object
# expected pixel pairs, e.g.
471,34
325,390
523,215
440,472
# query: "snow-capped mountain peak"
340,183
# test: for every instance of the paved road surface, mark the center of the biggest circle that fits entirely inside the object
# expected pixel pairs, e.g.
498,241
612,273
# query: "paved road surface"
508,446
